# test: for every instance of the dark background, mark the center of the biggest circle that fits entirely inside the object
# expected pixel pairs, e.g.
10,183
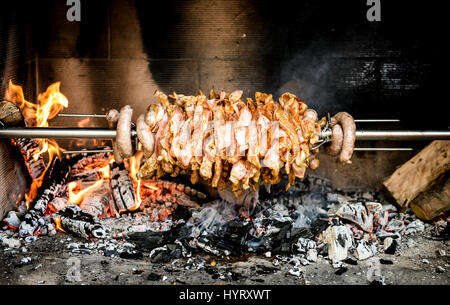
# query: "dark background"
326,52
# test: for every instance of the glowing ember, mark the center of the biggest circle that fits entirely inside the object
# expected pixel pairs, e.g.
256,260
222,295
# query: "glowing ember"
76,195
149,186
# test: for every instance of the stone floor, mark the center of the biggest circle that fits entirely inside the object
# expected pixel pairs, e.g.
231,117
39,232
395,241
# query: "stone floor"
52,263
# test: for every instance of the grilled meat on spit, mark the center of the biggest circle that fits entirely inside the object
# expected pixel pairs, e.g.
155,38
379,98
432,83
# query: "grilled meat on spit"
224,140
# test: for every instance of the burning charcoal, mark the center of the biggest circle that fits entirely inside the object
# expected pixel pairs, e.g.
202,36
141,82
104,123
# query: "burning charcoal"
386,261
12,220
395,225
341,271
364,250
58,203
389,245
339,240
441,227
354,212
414,227
73,219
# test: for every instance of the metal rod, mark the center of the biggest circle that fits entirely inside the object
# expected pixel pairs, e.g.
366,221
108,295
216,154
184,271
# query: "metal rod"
378,121
95,115
82,115
61,133
89,151
104,133
398,135
382,149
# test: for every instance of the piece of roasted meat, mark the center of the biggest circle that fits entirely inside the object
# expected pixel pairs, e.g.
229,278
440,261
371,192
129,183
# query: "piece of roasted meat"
229,142
224,139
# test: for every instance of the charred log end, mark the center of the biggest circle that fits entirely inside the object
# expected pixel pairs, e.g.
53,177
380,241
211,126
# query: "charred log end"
10,115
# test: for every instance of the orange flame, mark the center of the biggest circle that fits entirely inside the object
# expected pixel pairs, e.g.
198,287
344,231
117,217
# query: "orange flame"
58,224
149,186
77,197
50,103
135,162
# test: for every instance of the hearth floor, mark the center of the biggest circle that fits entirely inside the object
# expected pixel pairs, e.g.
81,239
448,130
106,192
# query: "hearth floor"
51,263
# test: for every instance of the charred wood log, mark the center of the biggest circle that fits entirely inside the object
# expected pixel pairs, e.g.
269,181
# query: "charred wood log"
91,161
54,182
96,203
28,147
74,220
147,241
122,188
85,175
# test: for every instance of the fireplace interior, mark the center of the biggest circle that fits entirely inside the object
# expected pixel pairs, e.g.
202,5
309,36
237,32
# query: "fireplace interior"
61,207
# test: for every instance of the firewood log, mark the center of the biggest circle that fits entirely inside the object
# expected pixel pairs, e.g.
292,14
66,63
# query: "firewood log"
122,188
54,182
419,180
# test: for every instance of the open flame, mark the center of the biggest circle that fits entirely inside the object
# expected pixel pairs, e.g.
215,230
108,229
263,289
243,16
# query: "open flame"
57,222
134,165
50,103
75,193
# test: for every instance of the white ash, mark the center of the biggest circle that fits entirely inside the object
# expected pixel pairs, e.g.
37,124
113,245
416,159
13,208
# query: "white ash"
353,220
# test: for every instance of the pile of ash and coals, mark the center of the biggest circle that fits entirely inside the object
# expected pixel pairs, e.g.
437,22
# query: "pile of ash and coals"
309,223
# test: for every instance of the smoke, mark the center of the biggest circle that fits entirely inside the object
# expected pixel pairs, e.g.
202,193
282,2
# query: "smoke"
212,216
307,76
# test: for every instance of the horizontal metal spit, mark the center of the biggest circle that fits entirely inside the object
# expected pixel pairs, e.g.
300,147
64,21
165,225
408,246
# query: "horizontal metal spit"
104,133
